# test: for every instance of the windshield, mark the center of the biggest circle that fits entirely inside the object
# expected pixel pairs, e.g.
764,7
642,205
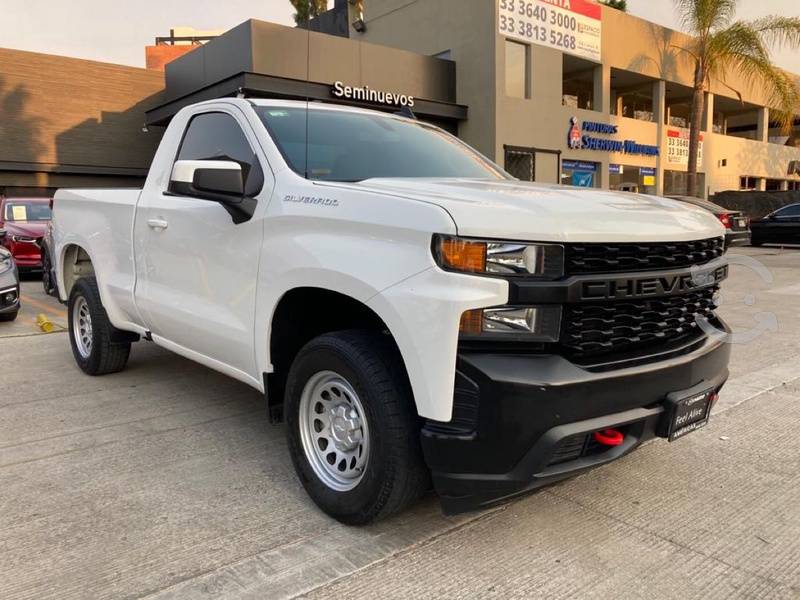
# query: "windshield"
350,146
19,210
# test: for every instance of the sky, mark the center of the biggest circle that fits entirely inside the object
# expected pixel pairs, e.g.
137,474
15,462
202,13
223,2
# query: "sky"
118,30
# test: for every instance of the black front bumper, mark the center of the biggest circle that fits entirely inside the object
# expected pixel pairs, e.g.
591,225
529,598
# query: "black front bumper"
532,417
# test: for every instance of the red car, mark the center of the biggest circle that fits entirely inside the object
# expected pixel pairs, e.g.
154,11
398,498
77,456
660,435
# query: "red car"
24,221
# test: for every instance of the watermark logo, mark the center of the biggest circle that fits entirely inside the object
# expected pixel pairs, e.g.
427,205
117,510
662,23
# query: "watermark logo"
764,321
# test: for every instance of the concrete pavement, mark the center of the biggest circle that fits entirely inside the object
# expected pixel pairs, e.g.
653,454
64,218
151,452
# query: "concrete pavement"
165,481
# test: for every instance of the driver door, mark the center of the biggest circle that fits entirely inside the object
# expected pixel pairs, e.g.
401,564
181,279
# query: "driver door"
197,269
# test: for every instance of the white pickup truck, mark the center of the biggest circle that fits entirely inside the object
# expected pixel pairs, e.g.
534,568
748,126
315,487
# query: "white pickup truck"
414,314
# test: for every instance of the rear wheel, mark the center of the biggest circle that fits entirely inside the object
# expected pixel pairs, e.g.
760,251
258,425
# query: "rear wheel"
90,332
352,431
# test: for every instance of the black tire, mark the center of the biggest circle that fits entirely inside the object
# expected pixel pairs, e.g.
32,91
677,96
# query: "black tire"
104,356
756,242
47,273
395,474
9,316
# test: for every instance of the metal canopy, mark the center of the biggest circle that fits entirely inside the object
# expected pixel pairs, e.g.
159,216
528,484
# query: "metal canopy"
257,85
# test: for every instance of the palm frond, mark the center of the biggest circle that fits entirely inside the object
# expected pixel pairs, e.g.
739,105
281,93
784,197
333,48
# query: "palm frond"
699,17
777,31
782,93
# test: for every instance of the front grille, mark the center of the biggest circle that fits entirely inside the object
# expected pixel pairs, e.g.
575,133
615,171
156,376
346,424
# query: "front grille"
611,326
616,258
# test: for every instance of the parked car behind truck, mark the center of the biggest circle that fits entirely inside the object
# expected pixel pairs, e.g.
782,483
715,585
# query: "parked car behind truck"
779,227
736,223
408,308
24,221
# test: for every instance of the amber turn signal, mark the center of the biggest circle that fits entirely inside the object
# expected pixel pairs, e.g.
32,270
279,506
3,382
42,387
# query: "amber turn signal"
472,321
462,255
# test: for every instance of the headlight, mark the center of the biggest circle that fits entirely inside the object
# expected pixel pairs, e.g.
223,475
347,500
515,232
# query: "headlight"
501,258
513,323
23,239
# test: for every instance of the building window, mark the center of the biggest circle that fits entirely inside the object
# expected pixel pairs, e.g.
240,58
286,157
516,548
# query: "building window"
520,163
773,185
580,173
517,70
793,185
626,178
676,184
632,95
748,183
577,83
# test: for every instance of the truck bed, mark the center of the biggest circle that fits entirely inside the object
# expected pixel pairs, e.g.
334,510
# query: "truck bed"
101,222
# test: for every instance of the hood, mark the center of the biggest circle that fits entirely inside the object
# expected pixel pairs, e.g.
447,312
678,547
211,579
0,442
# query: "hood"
553,213
32,229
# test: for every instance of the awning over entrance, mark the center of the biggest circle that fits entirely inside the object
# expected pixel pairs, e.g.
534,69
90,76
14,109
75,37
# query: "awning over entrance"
265,60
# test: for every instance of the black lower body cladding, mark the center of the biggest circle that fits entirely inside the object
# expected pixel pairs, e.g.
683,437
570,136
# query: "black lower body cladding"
534,416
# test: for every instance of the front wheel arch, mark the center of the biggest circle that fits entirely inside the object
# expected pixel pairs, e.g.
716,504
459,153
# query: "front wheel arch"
305,313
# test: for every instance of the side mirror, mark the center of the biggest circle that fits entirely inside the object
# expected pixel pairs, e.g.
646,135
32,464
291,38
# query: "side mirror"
216,180
3,234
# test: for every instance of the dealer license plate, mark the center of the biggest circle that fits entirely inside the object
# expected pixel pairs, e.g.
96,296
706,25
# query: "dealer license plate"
741,223
688,414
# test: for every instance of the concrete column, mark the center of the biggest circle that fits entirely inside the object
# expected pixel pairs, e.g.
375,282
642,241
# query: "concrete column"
708,116
659,101
602,89
762,132
659,112
784,185
761,184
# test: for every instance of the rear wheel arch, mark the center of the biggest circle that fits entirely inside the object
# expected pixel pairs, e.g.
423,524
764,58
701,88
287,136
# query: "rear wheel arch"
305,313
75,264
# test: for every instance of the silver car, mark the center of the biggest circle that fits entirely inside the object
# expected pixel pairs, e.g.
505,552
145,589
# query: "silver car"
9,286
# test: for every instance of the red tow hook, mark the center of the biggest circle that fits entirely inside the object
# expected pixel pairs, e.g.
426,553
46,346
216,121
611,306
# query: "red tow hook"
608,437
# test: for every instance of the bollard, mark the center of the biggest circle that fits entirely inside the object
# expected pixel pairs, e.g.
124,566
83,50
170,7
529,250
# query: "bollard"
44,323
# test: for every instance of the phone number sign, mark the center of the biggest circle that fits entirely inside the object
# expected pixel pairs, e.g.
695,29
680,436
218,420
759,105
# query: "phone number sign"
678,146
572,26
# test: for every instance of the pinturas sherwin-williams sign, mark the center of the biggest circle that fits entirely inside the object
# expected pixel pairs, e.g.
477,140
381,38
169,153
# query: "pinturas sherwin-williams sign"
367,94
572,26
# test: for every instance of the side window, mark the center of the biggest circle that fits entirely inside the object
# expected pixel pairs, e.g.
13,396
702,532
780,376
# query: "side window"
218,136
789,211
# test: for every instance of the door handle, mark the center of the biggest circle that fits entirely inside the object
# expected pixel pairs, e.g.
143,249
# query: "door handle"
158,224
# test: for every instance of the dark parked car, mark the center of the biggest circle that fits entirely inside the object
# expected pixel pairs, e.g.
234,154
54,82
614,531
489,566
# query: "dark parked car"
9,286
737,225
779,227
48,272
24,220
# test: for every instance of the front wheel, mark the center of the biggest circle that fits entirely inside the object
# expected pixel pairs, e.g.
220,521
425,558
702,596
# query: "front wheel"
352,431
90,332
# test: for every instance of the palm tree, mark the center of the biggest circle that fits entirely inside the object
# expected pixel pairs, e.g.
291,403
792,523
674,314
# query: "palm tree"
618,4
305,10
722,45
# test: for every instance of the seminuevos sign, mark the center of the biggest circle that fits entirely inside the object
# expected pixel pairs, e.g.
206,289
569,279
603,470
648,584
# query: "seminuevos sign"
571,26
580,137
367,94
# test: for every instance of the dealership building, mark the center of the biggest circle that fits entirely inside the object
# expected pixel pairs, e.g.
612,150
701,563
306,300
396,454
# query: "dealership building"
556,91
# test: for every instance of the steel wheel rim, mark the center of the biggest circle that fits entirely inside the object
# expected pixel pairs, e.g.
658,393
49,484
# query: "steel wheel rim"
82,327
334,431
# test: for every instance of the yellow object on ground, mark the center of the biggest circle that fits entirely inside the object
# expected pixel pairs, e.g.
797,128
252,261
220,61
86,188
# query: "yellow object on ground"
44,323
